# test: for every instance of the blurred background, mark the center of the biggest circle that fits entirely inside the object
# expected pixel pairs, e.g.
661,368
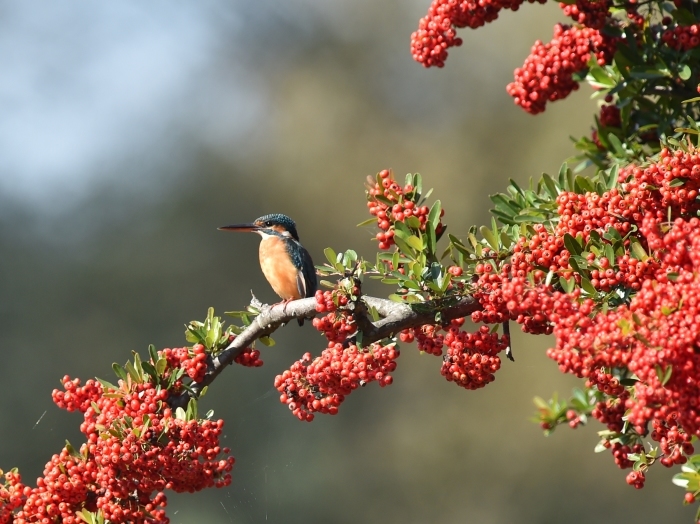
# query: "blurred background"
131,130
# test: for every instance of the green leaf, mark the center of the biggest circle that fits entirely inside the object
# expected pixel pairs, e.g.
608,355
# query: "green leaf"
72,451
395,260
613,176
548,279
572,245
506,240
412,222
612,234
648,73
161,364
588,287
434,215
413,299
574,264
636,250
149,369
616,145
503,204
119,371
191,412
540,403
430,237
684,73
415,242
402,245
88,517
583,185
138,366
677,182
550,184
133,373
153,352
599,78
563,177
349,258
331,255
515,187
567,284
664,375
418,184
528,219
489,236
367,222
625,326
683,16
681,479
107,385
411,284
267,341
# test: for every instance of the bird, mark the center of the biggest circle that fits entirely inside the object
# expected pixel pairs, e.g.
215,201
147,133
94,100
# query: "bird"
286,264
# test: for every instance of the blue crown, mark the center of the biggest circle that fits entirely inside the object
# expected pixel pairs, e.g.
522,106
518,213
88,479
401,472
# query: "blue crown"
280,220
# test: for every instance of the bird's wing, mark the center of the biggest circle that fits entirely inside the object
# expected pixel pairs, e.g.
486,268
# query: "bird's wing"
306,276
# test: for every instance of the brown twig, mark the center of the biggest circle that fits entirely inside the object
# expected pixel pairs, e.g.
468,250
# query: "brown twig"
395,317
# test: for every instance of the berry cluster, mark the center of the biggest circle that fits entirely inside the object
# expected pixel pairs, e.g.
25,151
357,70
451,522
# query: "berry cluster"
135,449
472,358
338,324
674,442
192,360
641,202
321,384
436,31
12,495
547,74
77,397
589,13
625,247
391,203
504,298
430,338
609,116
653,338
249,358
636,479
682,37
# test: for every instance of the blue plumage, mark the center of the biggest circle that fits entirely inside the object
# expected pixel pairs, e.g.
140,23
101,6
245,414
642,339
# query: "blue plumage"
287,266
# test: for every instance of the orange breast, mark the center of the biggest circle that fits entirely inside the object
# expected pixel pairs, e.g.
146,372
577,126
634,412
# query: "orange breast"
278,268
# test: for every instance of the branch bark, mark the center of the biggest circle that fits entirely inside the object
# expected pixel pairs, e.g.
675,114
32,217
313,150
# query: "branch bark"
395,317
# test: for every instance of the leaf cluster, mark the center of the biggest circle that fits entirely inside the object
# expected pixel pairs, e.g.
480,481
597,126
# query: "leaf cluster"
652,84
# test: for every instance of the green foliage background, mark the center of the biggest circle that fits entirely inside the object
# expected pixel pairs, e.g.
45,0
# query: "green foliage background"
82,288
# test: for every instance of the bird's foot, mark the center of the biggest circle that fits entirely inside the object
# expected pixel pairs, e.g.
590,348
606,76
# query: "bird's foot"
283,303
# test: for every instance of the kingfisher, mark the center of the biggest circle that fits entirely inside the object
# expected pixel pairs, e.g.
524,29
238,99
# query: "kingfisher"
286,264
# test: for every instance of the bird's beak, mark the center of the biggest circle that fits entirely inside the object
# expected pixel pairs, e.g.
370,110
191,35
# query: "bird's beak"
240,227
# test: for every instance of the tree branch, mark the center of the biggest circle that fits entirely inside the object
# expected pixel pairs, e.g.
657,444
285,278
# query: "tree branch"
395,318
